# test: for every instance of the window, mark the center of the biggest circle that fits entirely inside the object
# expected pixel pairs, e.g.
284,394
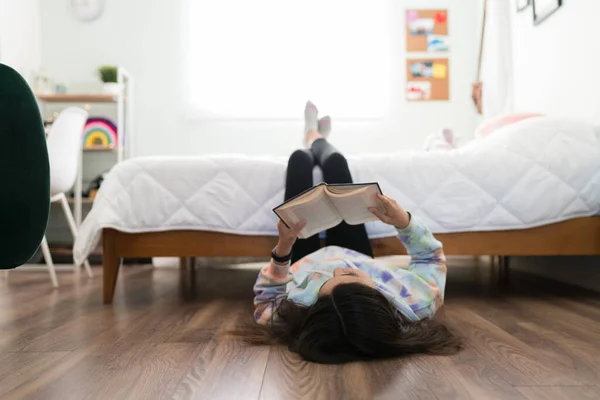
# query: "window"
265,58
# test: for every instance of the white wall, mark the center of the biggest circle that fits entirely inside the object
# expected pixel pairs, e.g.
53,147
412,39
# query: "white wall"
556,62
20,35
144,36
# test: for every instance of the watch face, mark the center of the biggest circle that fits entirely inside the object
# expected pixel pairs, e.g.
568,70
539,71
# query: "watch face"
87,10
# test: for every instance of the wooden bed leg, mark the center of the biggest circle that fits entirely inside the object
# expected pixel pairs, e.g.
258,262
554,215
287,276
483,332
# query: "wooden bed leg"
187,277
183,263
496,271
503,270
493,265
506,267
500,270
111,263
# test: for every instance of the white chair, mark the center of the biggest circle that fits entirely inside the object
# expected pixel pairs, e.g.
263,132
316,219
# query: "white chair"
64,151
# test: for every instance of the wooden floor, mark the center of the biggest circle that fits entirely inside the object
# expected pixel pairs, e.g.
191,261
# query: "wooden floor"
161,339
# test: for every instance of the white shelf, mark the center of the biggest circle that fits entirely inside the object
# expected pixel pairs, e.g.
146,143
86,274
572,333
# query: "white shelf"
99,149
78,98
124,103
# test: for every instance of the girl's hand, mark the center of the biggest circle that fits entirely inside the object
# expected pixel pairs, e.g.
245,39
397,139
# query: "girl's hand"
394,213
287,237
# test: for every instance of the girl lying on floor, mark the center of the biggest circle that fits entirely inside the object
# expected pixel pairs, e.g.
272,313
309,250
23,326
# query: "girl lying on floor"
338,304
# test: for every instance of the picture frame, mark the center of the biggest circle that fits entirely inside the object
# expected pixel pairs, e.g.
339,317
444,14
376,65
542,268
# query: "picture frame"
542,9
522,5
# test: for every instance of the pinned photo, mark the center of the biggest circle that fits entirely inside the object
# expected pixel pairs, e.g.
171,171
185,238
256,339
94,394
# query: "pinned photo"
418,90
421,69
422,26
438,43
440,71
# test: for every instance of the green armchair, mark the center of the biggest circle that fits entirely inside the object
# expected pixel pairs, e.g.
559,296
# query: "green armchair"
25,188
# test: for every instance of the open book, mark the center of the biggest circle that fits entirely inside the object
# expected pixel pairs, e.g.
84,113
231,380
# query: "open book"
325,206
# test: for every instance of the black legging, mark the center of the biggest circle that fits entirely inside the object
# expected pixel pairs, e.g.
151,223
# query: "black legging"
335,170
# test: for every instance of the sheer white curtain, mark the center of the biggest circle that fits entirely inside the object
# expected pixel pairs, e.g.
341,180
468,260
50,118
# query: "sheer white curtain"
265,58
497,66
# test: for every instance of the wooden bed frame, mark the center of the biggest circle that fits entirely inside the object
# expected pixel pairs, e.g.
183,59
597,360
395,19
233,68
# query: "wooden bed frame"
580,236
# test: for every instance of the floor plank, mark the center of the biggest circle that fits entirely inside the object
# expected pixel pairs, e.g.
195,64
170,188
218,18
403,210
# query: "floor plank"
19,368
548,337
163,367
232,371
166,336
478,375
584,355
457,378
288,377
516,362
391,379
560,392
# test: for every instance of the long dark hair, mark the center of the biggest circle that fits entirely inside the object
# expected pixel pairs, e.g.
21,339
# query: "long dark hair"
355,322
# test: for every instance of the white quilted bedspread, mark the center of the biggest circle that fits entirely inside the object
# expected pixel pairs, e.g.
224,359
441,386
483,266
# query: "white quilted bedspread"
532,173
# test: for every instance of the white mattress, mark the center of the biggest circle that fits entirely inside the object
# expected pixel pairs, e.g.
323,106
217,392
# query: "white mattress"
536,172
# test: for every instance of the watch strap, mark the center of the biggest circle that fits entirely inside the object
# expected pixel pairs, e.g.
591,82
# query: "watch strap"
280,260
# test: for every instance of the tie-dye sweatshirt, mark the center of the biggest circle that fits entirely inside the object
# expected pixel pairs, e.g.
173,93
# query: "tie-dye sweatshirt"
417,291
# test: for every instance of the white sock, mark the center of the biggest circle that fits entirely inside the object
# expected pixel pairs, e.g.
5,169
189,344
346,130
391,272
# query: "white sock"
311,117
448,135
325,126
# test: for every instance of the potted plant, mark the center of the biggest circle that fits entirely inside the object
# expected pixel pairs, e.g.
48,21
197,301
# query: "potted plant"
108,75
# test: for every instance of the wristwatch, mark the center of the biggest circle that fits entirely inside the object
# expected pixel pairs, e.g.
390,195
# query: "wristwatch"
278,259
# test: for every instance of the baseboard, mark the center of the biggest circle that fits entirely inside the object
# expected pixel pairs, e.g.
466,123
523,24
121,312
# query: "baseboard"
579,271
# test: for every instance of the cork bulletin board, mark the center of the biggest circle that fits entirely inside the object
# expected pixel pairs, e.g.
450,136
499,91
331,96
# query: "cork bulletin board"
427,30
427,79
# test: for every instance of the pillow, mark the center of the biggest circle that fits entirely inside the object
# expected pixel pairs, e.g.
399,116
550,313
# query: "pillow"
491,125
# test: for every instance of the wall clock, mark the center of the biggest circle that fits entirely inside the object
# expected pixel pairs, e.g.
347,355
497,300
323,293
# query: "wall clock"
86,10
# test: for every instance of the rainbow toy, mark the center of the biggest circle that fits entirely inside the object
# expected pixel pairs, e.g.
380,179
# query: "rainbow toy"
99,133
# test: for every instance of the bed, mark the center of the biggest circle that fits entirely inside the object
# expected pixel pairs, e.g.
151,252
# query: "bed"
532,188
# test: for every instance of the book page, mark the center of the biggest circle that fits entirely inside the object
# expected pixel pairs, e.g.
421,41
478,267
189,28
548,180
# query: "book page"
305,197
346,189
354,206
319,214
